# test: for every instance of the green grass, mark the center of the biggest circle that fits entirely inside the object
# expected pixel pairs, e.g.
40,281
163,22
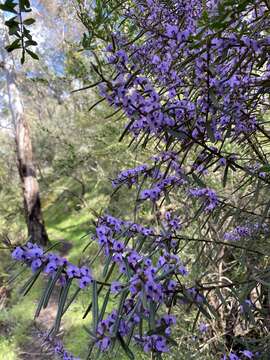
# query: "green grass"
17,320
8,350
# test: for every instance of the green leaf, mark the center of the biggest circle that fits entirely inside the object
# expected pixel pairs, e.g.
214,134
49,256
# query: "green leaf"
127,350
89,332
99,290
12,21
28,285
23,56
41,300
73,297
50,287
203,311
104,305
32,54
152,321
15,45
9,6
265,168
30,43
62,301
106,266
119,312
29,21
94,305
225,176
14,30
198,180
25,5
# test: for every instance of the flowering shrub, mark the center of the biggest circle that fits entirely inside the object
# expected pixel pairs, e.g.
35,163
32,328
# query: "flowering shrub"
193,84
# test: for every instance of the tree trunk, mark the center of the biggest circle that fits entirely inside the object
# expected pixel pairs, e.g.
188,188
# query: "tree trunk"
27,172
23,146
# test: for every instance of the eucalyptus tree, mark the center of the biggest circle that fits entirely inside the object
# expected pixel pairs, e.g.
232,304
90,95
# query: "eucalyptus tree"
23,145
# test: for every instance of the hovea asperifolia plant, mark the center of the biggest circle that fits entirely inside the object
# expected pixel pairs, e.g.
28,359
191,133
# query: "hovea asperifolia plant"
192,80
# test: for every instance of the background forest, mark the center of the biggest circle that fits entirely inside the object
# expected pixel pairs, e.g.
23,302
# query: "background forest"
78,148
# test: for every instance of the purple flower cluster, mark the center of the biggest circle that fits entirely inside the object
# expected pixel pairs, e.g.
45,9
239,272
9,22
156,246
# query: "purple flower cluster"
62,353
189,87
245,354
129,176
161,187
238,233
146,281
154,113
34,256
203,328
241,232
171,222
163,181
56,346
209,196
246,306
106,330
108,227
153,343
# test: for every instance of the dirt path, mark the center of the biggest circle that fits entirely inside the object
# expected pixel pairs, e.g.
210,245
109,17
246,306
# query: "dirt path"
36,348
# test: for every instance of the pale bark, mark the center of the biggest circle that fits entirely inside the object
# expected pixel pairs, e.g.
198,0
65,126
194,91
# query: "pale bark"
24,152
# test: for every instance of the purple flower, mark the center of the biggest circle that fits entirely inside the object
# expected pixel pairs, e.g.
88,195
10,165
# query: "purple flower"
116,287
155,60
36,264
222,162
51,267
73,271
35,252
209,196
18,254
84,271
133,258
203,327
85,281
233,356
168,319
161,345
182,270
153,343
171,30
171,285
117,258
118,246
248,354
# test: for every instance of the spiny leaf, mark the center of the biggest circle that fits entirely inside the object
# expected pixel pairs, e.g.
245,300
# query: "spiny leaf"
104,305
119,312
32,54
28,285
50,287
15,45
94,305
125,347
62,301
29,21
